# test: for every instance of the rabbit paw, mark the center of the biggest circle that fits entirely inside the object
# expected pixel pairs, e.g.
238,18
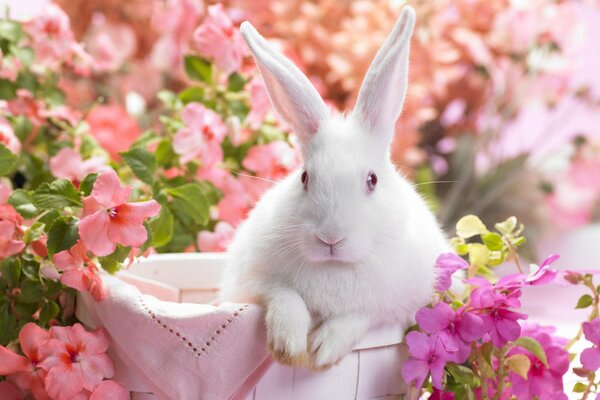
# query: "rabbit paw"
335,338
288,323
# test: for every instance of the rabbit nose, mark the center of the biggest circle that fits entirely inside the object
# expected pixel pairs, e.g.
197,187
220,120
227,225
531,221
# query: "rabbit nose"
329,241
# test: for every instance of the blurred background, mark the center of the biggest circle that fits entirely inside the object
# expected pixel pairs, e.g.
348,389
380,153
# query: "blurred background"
503,110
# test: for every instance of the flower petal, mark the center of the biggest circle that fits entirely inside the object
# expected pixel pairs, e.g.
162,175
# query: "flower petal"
108,190
93,231
138,212
64,381
415,371
11,362
95,369
435,319
418,345
110,390
32,338
590,359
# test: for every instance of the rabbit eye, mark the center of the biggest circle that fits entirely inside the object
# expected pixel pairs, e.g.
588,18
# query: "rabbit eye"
371,181
304,179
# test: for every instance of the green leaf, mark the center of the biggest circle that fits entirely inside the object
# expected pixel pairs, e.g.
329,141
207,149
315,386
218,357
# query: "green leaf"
112,263
192,201
10,30
8,325
8,160
34,232
487,351
22,127
520,364
162,227
31,292
142,163
22,202
461,374
167,98
49,311
191,95
579,387
534,347
197,68
507,227
87,184
8,89
62,235
11,271
236,82
493,241
469,226
58,194
584,301
164,153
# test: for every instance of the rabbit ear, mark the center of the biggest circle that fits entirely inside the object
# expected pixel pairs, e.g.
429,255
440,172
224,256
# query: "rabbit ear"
383,90
290,91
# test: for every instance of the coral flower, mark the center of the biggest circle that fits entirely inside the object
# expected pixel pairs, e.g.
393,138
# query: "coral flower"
7,136
77,361
108,219
23,371
110,390
114,129
272,161
68,164
8,244
219,39
78,271
51,36
217,240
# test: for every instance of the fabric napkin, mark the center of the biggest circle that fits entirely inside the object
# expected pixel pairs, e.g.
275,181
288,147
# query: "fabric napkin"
181,351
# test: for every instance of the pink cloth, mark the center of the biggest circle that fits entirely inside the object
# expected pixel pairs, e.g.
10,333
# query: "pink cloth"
181,351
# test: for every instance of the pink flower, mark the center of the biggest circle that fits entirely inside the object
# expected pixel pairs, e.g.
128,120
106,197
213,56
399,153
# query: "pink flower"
543,274
590,358
9,392
110,44
427,354
235,204
77,361
23,371
9,67
5,191
7,136
446,265
27,105
109,390
51,36
202,137
108,219
63,113
219,39
114,129
541,382
459,329
78,271
9,245
218,240
272,161
68,164
259,99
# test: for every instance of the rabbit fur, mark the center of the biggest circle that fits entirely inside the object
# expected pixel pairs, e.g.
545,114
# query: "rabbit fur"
333,259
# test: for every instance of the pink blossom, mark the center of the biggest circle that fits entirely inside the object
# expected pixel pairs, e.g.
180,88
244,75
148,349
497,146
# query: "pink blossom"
235,203
114,129
541,382
9,392
110,44
590,358
109,390
77,361
427,354
108,219
23,371
9,67
7,136
63,113
9,245
201,138
27,105
68,164
272,161
78,271
446,265
5,191
218,240
51,36
459,329
219,39
259,99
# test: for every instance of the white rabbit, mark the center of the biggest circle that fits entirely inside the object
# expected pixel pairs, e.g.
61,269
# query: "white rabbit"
345,243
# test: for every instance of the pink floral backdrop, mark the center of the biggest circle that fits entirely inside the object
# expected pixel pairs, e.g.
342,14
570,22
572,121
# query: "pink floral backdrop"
128,128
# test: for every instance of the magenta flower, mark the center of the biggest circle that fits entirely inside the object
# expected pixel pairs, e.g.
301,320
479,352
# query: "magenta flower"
428,354
541,382
77,361
219,39
590,358
108,219
459,329
446,265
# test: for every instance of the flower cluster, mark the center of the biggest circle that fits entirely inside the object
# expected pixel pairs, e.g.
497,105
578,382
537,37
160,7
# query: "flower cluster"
62,363
473,344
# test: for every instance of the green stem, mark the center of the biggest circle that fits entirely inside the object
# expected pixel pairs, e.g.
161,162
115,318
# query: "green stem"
501,374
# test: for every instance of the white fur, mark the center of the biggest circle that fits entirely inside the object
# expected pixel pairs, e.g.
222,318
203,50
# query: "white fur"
321,301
